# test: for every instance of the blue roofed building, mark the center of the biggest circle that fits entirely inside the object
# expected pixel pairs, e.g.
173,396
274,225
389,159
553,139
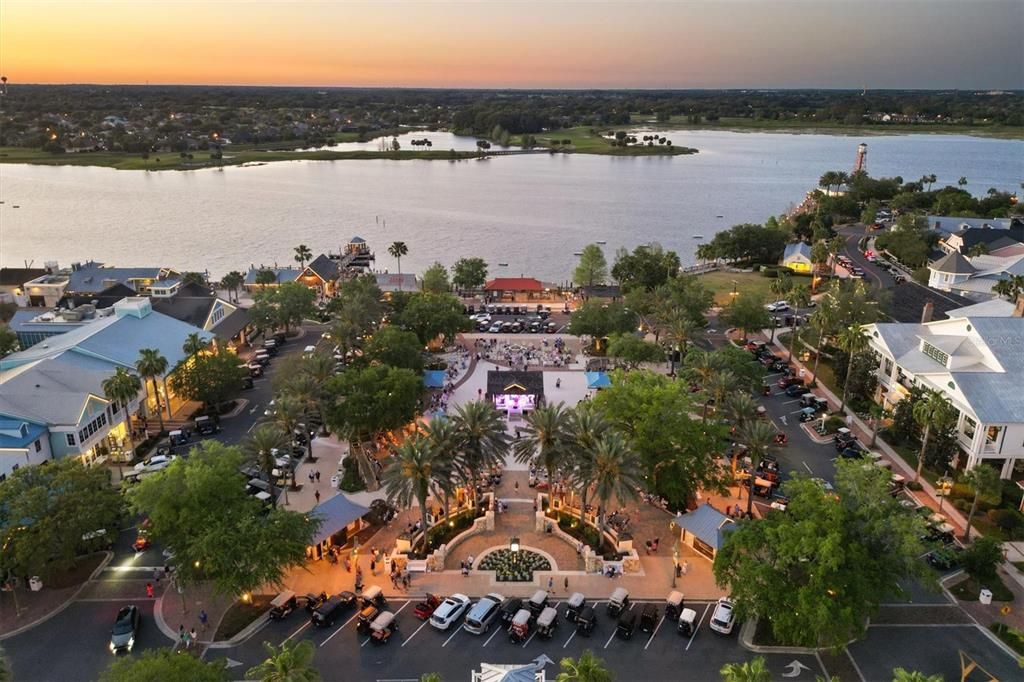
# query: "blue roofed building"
22,443
281,275
57,385
703,529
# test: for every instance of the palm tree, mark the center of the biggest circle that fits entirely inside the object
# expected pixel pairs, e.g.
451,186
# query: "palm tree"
194,345
546,434
754,670
444,438
878,413
587,426
586,668
741,408
984,480
259,447
801,298
930,409
929,179
781,285
397,250
290,662
853,341
302,254
962,182
827,180
482,439
614,470
824,319
759,437
410,476
123,387
835,245
1003,287
679,329
151,365
305,394
722,384
288,412
319,369
703,366
232,281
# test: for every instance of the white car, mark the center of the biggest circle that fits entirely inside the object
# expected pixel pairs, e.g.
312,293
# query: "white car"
155,463
495,328
723,618
450,610
777,307
481,317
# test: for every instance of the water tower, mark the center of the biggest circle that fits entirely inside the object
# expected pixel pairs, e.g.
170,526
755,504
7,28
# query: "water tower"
861,164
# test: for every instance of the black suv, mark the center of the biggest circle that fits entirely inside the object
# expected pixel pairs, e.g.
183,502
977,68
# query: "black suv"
325,614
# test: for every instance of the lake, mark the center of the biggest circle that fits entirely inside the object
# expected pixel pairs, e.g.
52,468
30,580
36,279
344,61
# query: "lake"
532,211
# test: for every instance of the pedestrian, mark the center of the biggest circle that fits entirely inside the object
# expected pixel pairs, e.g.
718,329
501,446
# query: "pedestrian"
394,580
566,583
182,635
149,590
406,579
686,567
311,477
157,574
316,494
192,635
203,618
186,640
551,584
516,486
373,566
317,476
783,420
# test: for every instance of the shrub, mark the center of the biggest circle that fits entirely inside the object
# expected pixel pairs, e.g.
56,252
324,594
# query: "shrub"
1010,520
770,272
914,485
982,557
833,424
351,481
962,505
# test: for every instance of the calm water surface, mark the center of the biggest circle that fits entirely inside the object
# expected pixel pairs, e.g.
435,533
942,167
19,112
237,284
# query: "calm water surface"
532,212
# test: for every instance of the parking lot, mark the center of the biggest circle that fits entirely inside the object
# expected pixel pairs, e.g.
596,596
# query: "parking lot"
417,648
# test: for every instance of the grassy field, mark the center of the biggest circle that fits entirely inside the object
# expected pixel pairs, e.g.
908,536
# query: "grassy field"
583,141
172,161
721,284
829,127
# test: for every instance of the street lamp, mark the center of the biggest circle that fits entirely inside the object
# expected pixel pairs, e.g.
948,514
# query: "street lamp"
945,485
513,545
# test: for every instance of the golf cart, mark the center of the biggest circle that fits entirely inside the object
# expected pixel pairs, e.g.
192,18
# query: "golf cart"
586,619
373,595
574,605
618,602
426,608
547,621
649,618
509,608
626,625
519,630
673,604
687,622
282,605
382,627
538,602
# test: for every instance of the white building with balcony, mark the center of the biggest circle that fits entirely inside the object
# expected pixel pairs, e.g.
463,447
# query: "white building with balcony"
977,363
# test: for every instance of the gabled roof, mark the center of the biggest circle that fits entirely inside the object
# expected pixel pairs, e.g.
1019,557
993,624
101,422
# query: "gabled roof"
515,383
324,268
103,299
233,323
53,390
336,513
797,249
706,524
514,284
953,263
93,278
283,274
15,277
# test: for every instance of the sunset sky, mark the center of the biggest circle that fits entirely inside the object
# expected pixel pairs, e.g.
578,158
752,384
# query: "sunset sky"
683,44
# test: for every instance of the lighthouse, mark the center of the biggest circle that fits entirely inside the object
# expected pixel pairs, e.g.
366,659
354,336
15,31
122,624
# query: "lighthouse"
861,164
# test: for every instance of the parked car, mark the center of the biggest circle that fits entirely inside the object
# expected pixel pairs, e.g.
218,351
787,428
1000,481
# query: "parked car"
206,426
495,328
777,307
449,611
723,617
945,558
425,609
326,613
126,627
155,463
796,390
483,614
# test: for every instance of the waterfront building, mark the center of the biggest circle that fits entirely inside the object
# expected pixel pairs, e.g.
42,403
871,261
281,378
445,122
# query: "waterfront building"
976,362
513,288
389,283
90,280
974,277
797,257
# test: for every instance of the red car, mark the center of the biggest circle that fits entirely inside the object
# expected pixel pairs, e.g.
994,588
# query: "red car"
786,382
426,608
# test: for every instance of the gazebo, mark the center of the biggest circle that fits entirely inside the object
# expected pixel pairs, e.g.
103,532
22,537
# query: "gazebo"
515,393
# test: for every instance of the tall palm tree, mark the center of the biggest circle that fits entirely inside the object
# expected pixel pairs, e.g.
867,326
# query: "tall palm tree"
1003,287
801,298
614,470
482,439
194,345
679,330
962,182
741,408
878,413
151,365
232,281
444,438
123,387
754,670
835,246
397,250
306,395
259,446
302,255
319,369
722,384
853,341
586,668
759,437
984,481
931,409
546,434
410,476
290,662
824,319
702,366
287,414
587,426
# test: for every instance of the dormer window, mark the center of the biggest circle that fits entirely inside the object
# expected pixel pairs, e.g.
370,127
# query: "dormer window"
935,354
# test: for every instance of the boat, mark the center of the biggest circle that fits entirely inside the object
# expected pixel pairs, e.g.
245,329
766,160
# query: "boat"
502,265
719,216
601,241
698,236
578,253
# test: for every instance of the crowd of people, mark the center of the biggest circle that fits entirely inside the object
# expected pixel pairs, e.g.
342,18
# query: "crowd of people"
552,353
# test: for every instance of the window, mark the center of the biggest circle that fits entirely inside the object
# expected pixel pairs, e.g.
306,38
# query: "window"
92,427
39,445
115,407
218,315
888,367
969,427
934,353
70,437
992,434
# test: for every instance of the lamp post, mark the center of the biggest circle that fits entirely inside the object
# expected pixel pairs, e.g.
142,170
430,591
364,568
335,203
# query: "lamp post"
513,546
673,528
945,485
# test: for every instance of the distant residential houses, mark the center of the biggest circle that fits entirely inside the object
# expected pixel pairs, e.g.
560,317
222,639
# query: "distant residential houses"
975,253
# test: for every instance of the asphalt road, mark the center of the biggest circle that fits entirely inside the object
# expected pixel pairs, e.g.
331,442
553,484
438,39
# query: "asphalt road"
419,648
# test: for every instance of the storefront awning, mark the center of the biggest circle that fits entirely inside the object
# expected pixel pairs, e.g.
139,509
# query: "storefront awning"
598,380
433,378
336,513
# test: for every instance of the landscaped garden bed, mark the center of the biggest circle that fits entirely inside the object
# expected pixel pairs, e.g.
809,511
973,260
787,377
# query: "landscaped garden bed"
457,523
1013,637
968,590
510,566
587,534
240,614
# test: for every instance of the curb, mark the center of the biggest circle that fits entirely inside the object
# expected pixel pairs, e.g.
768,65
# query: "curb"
242,404
746,640
248,631
42,619
158,616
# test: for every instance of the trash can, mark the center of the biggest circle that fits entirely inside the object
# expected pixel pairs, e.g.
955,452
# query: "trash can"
35,584
985,596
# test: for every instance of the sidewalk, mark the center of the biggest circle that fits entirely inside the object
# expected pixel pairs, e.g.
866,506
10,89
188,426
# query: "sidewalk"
926,496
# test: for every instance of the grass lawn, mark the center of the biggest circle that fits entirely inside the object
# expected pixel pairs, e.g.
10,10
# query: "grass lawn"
585,142
240,614
1013,637
721,284
968,589
77,574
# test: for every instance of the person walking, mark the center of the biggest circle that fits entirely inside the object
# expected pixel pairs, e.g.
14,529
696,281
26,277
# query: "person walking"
203,618
311,476
318,476
551,584
567,584
316,494
193,637
149,590
157,574
516,486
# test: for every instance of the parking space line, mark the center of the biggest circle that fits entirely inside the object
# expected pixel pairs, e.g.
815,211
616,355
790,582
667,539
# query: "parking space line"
570,639
403,606
530,639
496,631
696,629
300,629
658,627
365,641
610,637
409,638
807,467
615,627
452,636
354,615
